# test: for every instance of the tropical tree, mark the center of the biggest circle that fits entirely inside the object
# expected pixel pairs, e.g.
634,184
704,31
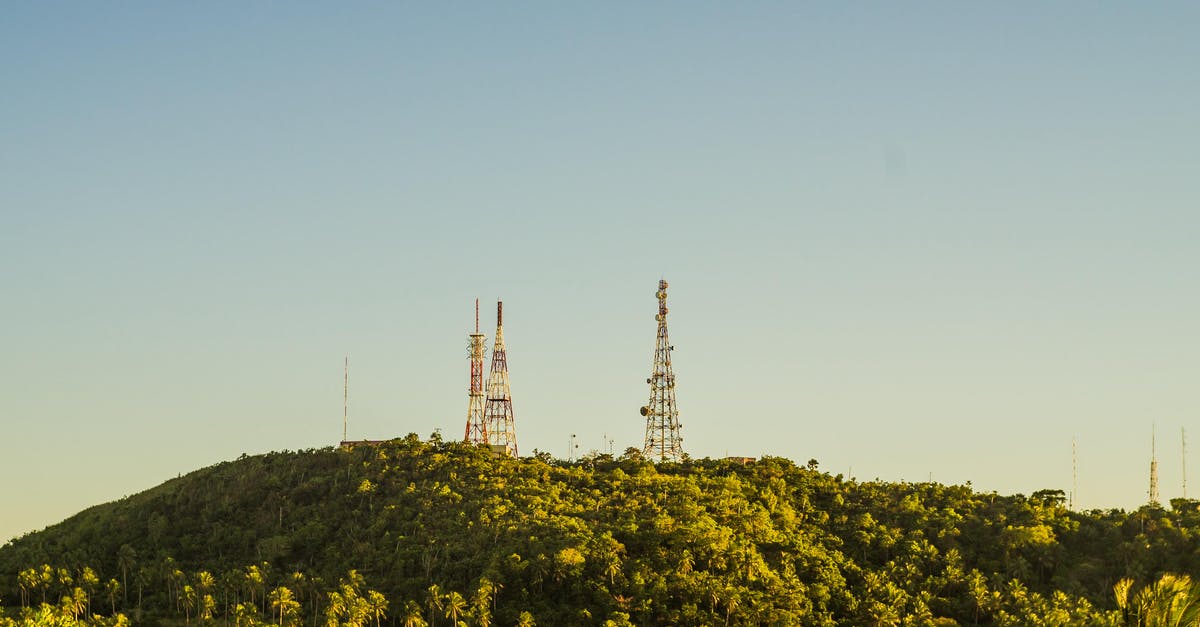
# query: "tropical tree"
246,614
126,561
208,606
189,598
254,580
454,606
28,581
76,603
111,588
89,581
412,615
334,608
377,604
433,600
1172,601
45,579
285,606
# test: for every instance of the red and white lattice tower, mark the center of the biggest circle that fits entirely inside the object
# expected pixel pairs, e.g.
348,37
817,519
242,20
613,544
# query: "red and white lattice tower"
499,428
663,442
476,432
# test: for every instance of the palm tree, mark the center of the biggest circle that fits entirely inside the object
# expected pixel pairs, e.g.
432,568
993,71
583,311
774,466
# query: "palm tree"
612,568
205,581
89,581
285,605
142,578
207,605
111,588
166,567
1173,600
481,601
454,606
254,579
731,604
244,614
433,600
189,602
45,578
76,603
28,580
127,560
377,604
335,608
412,615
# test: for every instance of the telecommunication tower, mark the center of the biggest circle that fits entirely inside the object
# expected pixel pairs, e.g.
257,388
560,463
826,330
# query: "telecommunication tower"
663,441
476,432
498,425
1153,469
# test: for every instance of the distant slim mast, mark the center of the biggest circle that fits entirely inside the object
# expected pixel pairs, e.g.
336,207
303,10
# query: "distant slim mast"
1074,474
345,397
1153,468
1183,457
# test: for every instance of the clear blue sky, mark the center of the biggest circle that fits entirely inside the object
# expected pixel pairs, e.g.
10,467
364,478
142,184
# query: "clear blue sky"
904,239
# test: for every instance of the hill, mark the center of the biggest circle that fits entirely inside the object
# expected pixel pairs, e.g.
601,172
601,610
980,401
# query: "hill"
431,524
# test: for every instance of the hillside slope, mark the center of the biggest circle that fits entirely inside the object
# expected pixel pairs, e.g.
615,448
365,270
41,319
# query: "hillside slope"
699,543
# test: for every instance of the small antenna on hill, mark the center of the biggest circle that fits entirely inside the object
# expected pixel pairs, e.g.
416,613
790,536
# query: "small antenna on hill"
1153,467
1074,474
345,397
1183,457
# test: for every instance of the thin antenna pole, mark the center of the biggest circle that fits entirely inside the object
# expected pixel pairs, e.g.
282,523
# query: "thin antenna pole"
345,396
477,315
1074,472
1183,457
1153,465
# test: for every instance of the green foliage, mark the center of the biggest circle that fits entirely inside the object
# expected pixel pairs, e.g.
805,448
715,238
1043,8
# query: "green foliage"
451,535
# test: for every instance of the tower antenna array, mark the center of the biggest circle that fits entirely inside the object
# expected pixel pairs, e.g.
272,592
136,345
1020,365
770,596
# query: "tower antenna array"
1153,468
499,426
663,441
476,432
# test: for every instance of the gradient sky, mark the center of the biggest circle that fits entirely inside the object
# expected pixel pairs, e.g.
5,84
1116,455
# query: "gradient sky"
908,240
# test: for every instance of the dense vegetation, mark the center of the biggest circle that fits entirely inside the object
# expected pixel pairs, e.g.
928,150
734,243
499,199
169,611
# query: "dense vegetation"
416,532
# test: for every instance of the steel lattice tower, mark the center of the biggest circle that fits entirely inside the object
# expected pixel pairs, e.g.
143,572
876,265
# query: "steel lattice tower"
476,432
663,442
498,426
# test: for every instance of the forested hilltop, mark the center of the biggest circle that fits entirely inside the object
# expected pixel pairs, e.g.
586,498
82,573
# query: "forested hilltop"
414,532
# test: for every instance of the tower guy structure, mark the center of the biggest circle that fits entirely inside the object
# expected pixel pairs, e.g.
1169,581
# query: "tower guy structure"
663,441
476,432
499,429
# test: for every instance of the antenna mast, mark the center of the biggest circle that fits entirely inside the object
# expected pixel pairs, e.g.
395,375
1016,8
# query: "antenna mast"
1074,473
499,426
345,396
476,432
1183,457
1153,468
663,441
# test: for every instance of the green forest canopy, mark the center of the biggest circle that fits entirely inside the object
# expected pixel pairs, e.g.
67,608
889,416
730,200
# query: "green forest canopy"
448,532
